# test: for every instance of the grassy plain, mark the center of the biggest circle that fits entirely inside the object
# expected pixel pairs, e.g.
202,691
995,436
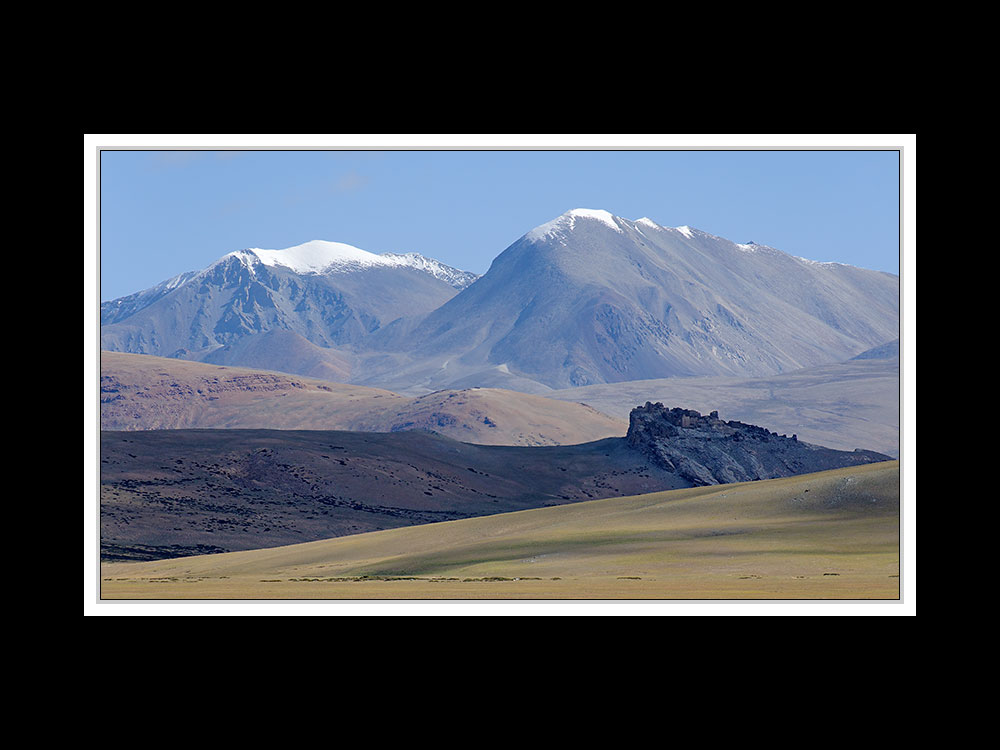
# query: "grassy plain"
829,535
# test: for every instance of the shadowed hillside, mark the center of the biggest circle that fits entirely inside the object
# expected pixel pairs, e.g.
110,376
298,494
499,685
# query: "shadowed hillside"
167,493
173,492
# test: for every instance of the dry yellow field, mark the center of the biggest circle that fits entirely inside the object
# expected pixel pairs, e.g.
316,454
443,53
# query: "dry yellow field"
831,535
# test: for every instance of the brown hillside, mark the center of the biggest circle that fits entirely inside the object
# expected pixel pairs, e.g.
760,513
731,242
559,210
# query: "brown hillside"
142,392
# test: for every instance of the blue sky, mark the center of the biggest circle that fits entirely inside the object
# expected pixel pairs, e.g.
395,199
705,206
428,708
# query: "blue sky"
166,212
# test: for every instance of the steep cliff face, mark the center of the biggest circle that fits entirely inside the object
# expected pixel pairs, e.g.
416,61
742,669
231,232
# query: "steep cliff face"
707,450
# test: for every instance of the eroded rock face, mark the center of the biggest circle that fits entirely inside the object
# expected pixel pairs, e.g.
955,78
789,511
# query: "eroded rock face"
707,450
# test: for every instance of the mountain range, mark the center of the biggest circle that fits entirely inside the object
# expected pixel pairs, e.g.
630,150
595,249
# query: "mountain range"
587,298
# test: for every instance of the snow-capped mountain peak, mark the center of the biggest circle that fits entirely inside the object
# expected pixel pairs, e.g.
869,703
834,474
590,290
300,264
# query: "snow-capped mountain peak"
321,257
568,220
561,225
318,256
597,214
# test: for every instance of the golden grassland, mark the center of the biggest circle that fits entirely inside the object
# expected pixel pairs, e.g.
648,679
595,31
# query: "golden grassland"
830,535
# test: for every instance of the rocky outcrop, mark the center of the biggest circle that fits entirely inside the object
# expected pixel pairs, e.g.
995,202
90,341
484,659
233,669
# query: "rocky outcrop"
706,450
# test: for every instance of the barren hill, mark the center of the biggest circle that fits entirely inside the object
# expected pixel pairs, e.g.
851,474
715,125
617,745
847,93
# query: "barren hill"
141,392
166,493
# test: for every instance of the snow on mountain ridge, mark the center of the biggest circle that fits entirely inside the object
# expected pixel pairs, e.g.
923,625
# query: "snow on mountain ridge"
567,221
318,257
450,275
122,307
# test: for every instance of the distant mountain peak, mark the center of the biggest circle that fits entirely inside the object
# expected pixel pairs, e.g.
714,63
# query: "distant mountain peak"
322,257
318,256
567,221
598,214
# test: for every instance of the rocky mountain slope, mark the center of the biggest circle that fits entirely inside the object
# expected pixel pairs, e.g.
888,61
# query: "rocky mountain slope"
115,310
329,294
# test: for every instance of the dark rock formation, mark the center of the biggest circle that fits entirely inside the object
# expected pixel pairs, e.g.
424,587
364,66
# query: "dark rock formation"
706,450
